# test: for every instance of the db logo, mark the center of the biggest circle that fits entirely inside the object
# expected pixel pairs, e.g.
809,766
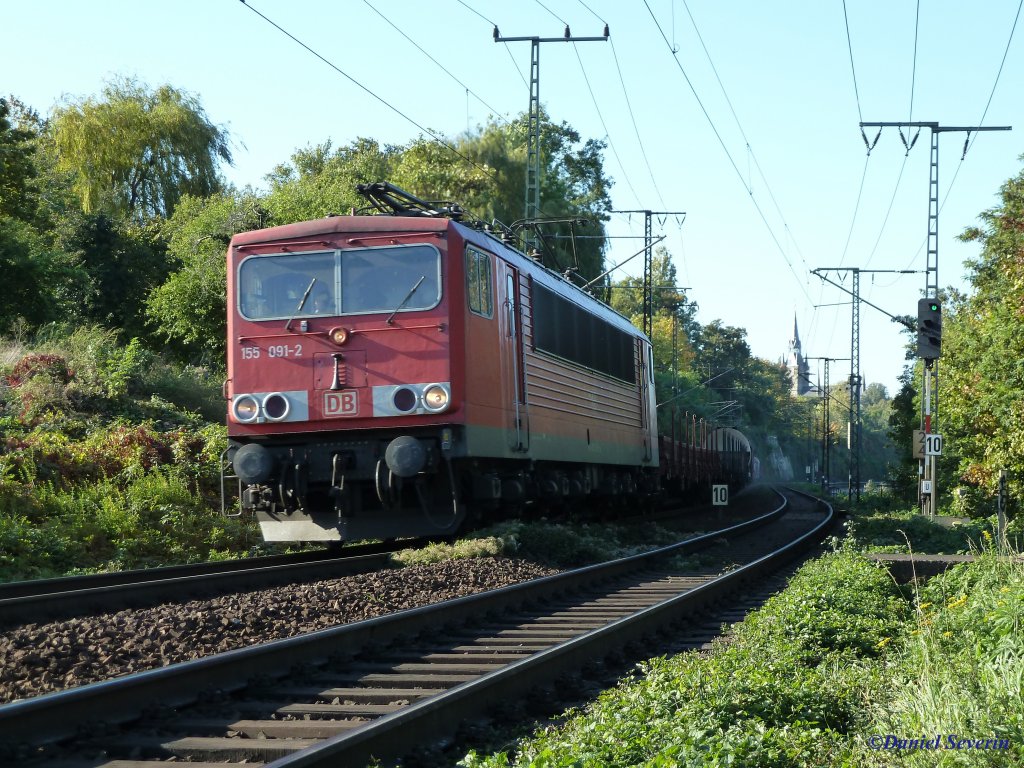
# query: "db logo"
344,403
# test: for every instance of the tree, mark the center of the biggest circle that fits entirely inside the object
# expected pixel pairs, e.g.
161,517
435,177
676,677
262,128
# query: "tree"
722,354
135,152
485,174
21,265
17,166
573,185
190,307
981,381
119,265
903,420
318,181
673,323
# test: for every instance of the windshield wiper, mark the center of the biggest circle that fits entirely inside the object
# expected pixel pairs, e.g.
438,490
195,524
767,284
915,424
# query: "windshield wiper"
391,317
302,303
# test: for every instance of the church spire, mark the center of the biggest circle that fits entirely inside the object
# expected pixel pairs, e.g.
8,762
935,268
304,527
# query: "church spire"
794,344
799,369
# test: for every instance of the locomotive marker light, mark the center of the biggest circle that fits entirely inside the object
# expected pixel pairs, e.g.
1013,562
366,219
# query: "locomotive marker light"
407,399
246,409
929,329
276,407
435,398
261,407
404,399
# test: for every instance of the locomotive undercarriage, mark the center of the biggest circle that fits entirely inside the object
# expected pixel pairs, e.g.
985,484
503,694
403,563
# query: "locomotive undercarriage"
406,484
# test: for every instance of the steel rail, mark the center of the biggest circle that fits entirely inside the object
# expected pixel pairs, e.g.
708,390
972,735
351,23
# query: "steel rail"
59,715
66,596
398,733
36,600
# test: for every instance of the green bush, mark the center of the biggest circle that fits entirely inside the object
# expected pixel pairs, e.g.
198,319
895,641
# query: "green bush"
105,460
843,604
906,531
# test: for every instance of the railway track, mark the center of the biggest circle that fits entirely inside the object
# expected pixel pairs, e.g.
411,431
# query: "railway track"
396,684
39,600
22,602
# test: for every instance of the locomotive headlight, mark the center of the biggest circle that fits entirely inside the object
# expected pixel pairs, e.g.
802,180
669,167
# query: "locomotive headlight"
276,407
340,336
435,398
245,408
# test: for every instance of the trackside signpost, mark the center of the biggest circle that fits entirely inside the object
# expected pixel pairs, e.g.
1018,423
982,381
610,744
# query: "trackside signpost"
720,495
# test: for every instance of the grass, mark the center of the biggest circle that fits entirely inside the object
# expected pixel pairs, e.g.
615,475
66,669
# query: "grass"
908,531
558,544
959,666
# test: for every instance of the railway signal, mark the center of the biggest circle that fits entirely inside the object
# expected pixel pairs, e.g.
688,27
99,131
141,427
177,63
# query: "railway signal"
929,329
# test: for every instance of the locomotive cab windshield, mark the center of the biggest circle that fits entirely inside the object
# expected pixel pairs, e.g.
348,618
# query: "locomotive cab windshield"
392,279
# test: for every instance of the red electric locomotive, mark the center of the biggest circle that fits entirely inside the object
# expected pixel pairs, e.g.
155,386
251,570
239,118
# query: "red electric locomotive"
388,372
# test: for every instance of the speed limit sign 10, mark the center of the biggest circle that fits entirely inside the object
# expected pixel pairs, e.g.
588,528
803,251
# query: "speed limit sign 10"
719,495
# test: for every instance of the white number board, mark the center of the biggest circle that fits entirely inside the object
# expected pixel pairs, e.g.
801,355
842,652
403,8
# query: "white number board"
933,445
720,495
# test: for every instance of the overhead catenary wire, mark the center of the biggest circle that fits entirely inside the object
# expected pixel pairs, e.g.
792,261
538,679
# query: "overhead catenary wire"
441,66
913,71
750,150
636,128
508,50
853,69
899,178
604,126
860,190
559,18
474,10
969,142
728,154
643,150
608,137
439,139
597,107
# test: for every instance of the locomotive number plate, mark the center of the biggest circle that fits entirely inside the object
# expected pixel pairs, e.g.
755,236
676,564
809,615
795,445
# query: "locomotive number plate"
343,403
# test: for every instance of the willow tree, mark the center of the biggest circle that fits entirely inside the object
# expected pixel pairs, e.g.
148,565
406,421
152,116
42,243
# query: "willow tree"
134,152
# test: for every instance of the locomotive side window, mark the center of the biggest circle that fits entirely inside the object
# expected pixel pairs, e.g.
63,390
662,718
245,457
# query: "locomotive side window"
565,329
478,282
333,283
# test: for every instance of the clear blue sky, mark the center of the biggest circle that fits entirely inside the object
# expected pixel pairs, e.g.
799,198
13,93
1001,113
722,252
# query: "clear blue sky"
769,176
